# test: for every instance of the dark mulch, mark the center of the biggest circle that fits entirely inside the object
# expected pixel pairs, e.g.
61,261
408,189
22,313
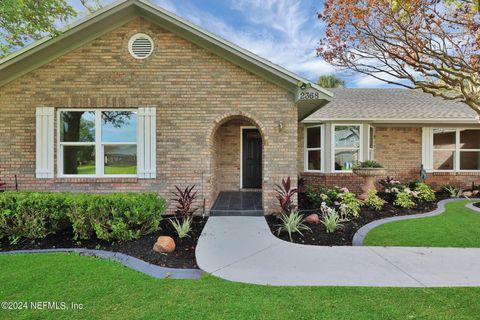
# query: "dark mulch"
477,204
344,236
182,257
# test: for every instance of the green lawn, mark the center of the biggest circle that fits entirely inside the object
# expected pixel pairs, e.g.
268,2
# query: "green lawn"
109,291
457,227
90,169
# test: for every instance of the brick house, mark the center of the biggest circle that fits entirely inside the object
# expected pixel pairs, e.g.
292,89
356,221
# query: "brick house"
135,98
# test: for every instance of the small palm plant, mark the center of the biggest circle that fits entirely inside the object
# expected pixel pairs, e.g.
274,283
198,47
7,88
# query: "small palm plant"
292,222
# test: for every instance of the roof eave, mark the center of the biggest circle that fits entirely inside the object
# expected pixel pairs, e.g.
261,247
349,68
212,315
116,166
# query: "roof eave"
398,120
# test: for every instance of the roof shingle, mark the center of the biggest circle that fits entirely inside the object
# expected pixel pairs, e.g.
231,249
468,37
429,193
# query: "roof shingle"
391,104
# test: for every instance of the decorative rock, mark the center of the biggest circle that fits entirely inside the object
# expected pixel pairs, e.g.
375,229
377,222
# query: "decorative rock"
164,244
313,219
467,194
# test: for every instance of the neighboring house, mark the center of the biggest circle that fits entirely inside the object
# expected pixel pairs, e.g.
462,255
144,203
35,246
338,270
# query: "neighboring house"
134,98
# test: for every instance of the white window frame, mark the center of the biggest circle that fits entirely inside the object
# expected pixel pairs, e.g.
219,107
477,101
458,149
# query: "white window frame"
371,150
334,148
457,150
99,145
321,148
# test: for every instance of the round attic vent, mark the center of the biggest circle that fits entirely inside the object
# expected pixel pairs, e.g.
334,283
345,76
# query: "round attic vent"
140,46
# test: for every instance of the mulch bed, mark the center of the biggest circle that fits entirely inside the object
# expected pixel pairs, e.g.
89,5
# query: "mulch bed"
344,236
183,256
477,204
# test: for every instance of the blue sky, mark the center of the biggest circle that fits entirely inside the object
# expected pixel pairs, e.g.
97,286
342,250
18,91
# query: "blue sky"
285,32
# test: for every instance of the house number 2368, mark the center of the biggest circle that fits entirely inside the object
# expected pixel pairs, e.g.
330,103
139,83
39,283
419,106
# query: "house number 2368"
309,95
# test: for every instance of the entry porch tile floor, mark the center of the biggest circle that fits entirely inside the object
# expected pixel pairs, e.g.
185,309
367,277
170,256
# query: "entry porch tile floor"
238,203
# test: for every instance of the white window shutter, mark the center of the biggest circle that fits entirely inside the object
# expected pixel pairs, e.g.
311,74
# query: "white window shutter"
44,143
427,148
147,143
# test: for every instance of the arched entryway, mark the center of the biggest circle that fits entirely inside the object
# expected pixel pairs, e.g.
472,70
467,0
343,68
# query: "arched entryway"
236,166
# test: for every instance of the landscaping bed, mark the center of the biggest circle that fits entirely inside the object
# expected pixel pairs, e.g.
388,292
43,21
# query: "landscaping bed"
343,236
129,223
477,204
183,256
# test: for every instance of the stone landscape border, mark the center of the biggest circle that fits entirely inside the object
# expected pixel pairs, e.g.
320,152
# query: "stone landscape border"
126,260
360,235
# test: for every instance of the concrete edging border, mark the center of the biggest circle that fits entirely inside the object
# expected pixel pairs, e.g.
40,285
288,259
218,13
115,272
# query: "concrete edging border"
124,259
363,231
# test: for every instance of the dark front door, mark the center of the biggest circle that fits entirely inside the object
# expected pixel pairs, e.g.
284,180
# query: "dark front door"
251,159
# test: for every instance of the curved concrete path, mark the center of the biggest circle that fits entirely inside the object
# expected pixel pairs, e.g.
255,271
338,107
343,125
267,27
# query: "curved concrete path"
243,249
128,261
360,235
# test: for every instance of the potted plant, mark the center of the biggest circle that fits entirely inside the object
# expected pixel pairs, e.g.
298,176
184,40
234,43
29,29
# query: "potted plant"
368,170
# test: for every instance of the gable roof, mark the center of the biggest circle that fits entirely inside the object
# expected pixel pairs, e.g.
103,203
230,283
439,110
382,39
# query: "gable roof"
122,11
392,105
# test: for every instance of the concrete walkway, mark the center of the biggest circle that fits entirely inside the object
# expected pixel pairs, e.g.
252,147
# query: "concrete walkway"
243,249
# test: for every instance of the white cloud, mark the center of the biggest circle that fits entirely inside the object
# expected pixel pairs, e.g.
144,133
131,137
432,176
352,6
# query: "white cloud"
282,31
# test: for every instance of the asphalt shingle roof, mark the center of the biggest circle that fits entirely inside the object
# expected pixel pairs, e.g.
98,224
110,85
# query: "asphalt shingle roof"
390,104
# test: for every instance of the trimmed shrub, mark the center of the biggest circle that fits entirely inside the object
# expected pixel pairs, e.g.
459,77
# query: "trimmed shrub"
350,205
424,192
374,201
404,200
31,215
110,217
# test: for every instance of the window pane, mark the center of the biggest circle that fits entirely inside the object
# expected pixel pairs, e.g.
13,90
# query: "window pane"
345,159
77,126
314,160
371,136
443,160
470,139
347,136
119,126
469,160
371,154
120,159
314,137
79,159
444,138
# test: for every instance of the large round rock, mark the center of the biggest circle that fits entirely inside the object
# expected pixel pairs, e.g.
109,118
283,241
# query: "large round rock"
164,244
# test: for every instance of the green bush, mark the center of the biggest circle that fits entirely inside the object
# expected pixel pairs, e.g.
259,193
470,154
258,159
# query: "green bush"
404,200
111,217
349,205
374,201
424,192
31,215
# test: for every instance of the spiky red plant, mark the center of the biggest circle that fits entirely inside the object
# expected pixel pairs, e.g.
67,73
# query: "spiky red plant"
285,194
185,200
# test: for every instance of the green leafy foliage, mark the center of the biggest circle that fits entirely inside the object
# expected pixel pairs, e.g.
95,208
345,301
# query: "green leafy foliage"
292,222
424,192
183,227
367,165
374,201
331,220
319,194
404,200
330,81
349,205
30,215
110,217
24,21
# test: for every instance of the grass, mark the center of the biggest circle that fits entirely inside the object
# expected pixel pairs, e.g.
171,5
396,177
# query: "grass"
456,227
90,169
109,291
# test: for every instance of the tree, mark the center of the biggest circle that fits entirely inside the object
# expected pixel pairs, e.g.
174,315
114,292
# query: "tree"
432,45
330,81
24,21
